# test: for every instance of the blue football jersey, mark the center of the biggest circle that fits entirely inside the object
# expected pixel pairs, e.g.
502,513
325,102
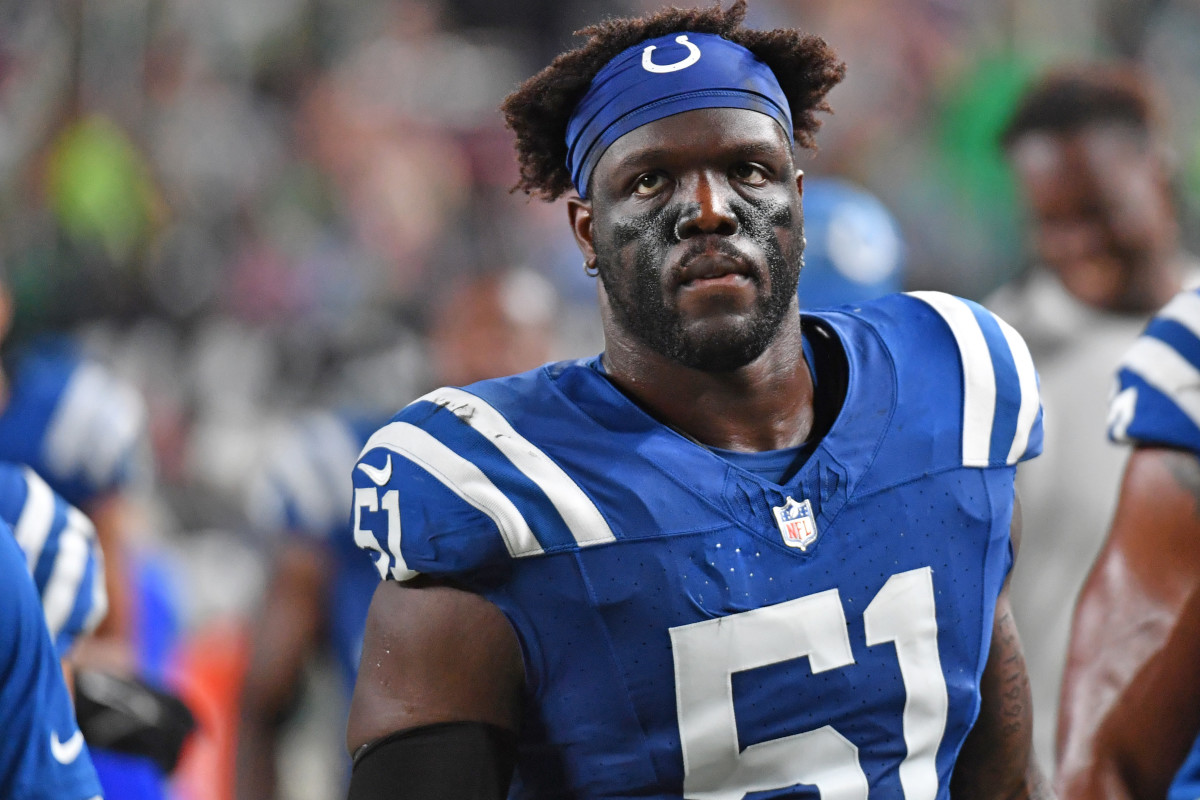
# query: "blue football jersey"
77,425
692,629
305,492
62,552
1156,403
42,753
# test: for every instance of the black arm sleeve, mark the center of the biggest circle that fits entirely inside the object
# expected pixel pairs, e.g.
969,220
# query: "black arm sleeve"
447,761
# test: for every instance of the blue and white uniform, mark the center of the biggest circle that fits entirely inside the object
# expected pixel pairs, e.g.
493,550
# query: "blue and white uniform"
78,426
82,429
62,552
42,754
690,628
305,493
1156,403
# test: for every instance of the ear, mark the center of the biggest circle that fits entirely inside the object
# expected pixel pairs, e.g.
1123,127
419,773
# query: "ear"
800,182
580,213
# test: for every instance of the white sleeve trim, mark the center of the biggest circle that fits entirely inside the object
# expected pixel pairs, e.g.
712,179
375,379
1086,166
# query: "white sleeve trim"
461,477
586,523
979,377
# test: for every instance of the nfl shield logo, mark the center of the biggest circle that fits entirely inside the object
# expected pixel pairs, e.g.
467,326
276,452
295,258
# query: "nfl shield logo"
796,523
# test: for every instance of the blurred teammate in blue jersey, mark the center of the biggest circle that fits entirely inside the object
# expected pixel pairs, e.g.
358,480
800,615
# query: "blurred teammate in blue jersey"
42,752
82,429
485,325
854,251
59,543
744,551
1129,725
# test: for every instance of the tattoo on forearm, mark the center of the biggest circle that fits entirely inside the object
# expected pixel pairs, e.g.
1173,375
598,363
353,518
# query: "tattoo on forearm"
1014,681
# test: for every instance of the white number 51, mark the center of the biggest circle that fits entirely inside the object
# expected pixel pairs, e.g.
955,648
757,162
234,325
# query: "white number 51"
708,653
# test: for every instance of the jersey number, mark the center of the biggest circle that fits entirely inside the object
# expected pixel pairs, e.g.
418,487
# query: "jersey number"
708,653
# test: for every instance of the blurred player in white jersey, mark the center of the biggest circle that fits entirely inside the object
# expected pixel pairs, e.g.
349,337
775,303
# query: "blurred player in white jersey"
1129,725
1090,155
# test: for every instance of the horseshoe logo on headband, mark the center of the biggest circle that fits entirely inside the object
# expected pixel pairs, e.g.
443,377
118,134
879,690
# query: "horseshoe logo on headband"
692,57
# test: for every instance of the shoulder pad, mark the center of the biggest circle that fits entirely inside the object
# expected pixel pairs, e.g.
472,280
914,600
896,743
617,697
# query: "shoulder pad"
1157,396
302,486
61,550
467,490
96,429
1001,408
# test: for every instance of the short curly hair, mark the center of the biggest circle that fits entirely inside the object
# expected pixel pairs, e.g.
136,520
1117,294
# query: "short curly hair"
538,111
1069,98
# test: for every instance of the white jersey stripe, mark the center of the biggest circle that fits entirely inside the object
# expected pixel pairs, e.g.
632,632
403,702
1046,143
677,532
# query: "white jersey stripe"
979,384
99,591
1027,381
461,477
586,523
37,517
1184,309
1158,364
69,565
70,430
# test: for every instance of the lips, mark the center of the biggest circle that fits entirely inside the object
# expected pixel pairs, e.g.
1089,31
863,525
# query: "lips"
711,267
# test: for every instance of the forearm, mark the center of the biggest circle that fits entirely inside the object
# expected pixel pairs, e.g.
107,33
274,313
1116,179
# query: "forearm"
996,761
255,765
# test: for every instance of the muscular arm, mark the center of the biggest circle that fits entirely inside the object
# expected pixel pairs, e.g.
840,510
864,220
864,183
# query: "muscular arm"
996,761
287,631
433,653
1131,693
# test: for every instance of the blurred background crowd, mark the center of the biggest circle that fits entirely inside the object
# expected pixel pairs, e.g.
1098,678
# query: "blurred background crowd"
250,210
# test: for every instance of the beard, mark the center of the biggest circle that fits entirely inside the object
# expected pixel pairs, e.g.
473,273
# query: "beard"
641,308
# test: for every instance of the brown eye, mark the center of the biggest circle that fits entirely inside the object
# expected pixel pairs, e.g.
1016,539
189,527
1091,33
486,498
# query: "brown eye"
751,174
648,184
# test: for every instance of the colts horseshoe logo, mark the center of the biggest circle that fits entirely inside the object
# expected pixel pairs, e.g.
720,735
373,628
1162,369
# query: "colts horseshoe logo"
692,57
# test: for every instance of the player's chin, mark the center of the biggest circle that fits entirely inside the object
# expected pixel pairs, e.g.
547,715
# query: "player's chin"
722,344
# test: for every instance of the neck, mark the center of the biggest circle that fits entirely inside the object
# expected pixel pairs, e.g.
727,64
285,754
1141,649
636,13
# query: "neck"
764,405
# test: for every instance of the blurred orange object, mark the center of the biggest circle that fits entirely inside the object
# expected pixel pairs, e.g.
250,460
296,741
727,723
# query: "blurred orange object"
208,676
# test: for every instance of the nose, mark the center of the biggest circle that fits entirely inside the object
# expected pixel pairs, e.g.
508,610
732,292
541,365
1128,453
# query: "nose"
707,209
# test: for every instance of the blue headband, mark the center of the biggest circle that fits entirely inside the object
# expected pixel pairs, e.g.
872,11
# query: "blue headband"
661,77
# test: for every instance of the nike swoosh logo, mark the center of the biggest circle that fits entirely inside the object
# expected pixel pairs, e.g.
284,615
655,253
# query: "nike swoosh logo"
379,476
68,751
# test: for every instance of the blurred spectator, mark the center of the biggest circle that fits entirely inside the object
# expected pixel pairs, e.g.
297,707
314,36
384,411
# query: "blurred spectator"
1088,147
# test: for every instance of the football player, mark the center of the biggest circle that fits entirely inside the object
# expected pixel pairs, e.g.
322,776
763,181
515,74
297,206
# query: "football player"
42,752
60,547
743,551
1130,709
485,325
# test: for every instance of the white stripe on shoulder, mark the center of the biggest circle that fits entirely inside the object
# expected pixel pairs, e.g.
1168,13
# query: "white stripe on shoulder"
37,516
586,523
979,375
1027,381
461,477
1184,309
62,589
99,608
1158,364
68,434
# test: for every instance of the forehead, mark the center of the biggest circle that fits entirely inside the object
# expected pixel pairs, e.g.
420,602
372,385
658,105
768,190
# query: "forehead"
1081,155
707,134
